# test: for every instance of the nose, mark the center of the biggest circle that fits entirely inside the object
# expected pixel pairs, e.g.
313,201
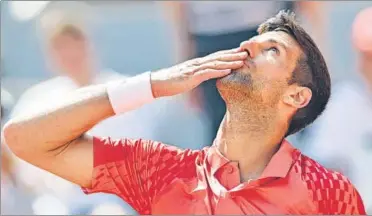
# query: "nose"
251,46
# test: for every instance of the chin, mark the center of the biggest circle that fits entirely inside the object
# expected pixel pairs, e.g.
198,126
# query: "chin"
234,77
221,82
236,81
227,84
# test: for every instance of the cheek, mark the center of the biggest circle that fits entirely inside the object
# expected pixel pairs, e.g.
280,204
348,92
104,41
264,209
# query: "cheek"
268,61
272,91
269,72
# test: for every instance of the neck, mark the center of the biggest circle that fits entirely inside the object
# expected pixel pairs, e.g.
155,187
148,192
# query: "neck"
250,138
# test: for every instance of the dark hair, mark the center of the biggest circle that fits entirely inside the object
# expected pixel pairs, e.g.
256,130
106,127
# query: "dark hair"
311,70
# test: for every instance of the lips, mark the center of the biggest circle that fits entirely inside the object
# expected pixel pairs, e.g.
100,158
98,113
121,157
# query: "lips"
248,63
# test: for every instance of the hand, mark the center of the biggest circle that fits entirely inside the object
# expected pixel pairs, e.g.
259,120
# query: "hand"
187,75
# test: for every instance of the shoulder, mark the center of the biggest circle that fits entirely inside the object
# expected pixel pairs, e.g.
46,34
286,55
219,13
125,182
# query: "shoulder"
331,191
151,153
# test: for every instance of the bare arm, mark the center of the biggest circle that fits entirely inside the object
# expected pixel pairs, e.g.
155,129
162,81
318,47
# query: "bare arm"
54,139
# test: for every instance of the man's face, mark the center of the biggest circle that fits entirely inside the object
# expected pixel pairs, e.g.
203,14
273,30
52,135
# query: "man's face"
69,54
264,77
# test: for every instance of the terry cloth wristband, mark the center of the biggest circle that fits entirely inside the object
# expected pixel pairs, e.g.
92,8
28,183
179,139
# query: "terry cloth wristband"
131,93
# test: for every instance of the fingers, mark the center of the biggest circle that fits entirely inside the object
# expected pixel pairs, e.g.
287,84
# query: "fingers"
220,65
239,56
231,57
207,74
230,51
216,69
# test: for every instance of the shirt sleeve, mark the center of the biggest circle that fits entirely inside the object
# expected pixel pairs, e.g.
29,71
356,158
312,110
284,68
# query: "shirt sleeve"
136,170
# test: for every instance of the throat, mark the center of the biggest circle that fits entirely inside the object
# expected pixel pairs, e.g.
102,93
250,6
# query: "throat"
250,142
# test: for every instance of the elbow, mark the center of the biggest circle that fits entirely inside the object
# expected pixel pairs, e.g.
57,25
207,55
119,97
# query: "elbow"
13,138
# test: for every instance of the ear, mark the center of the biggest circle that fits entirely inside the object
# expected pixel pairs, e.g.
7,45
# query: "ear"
297,96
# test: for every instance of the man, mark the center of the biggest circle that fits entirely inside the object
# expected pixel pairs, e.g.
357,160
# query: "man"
204,27
274,85
342,138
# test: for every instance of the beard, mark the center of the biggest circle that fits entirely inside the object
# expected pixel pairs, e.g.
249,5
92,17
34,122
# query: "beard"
237,77
236,83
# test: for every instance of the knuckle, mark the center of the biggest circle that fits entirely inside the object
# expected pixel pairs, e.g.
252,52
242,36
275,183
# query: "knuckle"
193,61
190,71
199,61
187,72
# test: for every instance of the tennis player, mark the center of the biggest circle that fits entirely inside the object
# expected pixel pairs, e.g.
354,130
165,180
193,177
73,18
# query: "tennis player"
274,85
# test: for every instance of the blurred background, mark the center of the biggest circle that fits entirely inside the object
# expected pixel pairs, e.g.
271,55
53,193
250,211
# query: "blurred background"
51,48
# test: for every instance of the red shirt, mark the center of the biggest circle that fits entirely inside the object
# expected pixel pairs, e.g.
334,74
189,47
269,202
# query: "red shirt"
155,178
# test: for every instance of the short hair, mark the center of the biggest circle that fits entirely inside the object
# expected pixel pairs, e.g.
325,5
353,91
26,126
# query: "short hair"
311,70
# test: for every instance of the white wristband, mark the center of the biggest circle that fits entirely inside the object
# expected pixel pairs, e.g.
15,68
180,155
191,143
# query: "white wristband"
131,93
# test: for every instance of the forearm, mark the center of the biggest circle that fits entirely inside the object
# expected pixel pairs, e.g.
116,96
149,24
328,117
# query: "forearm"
59,124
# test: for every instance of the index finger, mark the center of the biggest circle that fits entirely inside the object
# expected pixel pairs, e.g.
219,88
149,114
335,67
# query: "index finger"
239,56
230,51
230,57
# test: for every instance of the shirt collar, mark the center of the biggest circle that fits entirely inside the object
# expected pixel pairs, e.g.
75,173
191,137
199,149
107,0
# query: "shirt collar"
278,166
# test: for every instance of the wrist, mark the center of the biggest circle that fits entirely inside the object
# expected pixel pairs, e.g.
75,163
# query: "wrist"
130,93
158,84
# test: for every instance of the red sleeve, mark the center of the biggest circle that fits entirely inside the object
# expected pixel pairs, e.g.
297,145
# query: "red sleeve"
136,170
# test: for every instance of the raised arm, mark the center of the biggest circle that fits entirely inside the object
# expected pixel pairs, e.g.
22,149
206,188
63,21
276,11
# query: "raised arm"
54,138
